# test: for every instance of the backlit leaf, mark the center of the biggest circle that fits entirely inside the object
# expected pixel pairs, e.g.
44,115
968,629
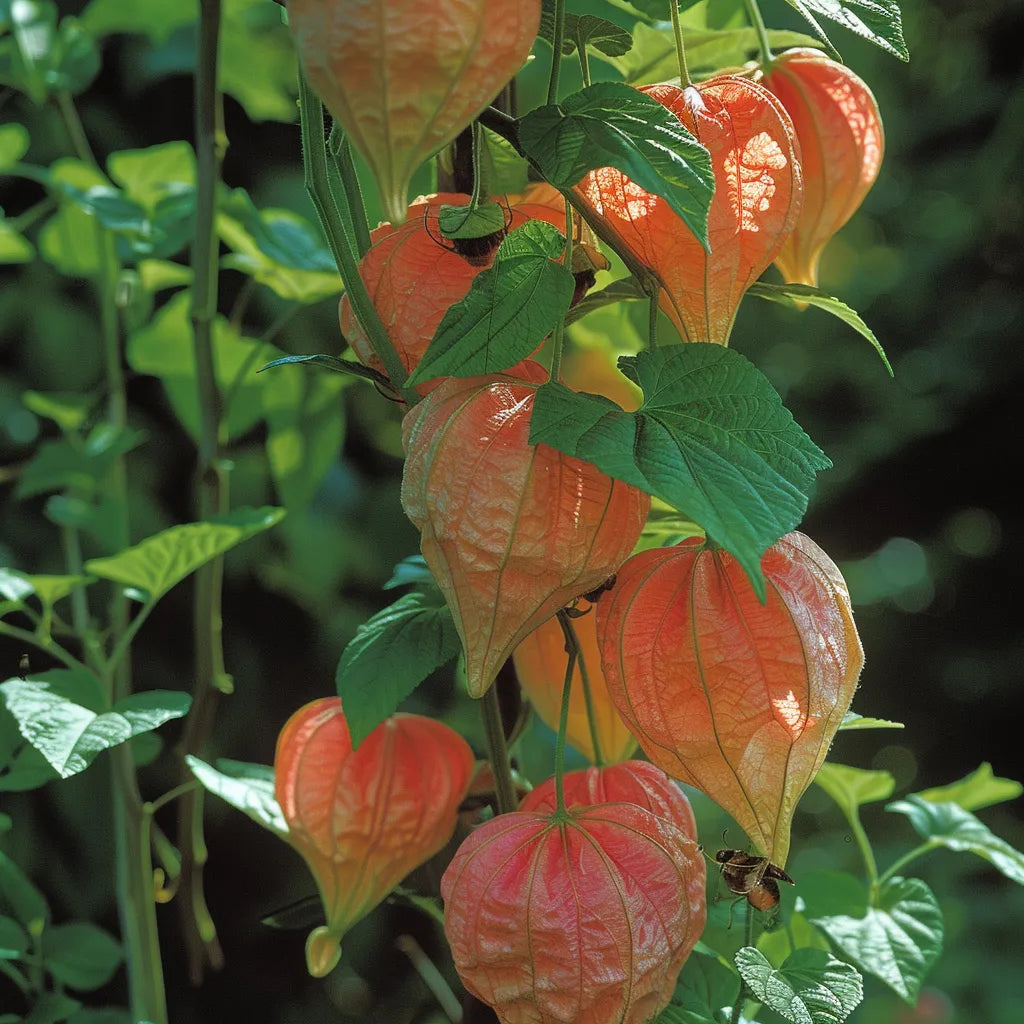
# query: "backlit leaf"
851,720
851,787
878,21
247,787
979,789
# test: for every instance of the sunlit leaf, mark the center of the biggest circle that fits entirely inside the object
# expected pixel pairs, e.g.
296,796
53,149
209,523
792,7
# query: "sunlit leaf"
70,239
706,985
949,825
851,787
878,21
851,720
896,939
471,221
811,987
247,787
392,653
74,59
14,248
511,306
796,295
712,439
157,563
14,142
254,35
586,30
979,789
81,955
69,410
33,27
143,17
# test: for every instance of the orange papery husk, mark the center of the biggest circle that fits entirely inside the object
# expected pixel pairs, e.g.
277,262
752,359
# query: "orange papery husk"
587,917
631,782
511,531
755,160
413,274
403,78
363,819
738,698
540,662
841,143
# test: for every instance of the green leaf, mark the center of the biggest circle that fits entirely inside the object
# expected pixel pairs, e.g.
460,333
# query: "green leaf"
70,239
949,825
979,789
878,21
799,933
832,894
159,562
106,1015
248,788
305,431
14,248
22,767
711,438
390,655
851,787
51,1007
618,291
68,410
811,987
74,60
509,309
14,142
81,955
50,589
13,940
851,721
411,571
705,986
156,275
151,174
795,296
586,30
471,221
163,348
23,899
897,939
14,586
504,170
653,56
70,735
277,248
327,362
612,125
33,26
254,35
113,209
141,17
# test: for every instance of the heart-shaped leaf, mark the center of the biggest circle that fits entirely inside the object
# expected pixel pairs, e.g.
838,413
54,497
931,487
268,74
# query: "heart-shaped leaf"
878,21
851,787
249,788
586,30
979,789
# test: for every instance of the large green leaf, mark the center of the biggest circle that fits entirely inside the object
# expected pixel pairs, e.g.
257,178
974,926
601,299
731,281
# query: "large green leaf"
811,987
159,562
144,17
586,30
795,296
878,21
897,938
851,787
653,56
23,899
705,987
22,767
979,789
509,309
70,735
70,239
613,125
81,955
390,655
711,438
951,826
248,788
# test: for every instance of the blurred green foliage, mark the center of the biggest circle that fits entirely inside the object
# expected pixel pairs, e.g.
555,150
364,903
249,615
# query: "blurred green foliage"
918,510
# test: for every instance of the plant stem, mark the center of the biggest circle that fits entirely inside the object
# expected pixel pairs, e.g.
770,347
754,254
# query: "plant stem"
314,159
684,73
865,848
588,700
341,150
73,125
748,940
52,648
211,679
556,50
903,861
497,750
652,321
558,334
581,49
572,649
754,14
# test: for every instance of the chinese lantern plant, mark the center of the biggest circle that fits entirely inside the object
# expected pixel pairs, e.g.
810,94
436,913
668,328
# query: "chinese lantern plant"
363,819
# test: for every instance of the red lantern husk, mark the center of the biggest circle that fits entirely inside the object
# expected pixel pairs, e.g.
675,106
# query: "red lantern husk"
738,698
585,918
757,198
511,531
364,819
841,142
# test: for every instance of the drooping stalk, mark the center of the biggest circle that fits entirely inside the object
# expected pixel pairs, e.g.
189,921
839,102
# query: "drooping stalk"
199,932
754,14
497,750
572,649
588,701
684,73
581,50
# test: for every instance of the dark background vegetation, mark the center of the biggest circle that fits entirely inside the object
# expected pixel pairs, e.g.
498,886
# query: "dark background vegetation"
921,512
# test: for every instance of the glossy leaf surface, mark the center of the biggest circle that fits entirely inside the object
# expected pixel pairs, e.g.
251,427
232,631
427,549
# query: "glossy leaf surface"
738,698
430,71
540,662
878,21
511,531
839,129
363,819
587,919
756,201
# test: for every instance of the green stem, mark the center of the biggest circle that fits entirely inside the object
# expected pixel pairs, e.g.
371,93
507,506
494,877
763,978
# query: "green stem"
581,49
652,320
684,73
558,334
903,861
556,51
341,150
865,848
35,212
754,14
497,750
73,126
572,649
48,646
432,977
588,700
748,940
314,159
199,933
